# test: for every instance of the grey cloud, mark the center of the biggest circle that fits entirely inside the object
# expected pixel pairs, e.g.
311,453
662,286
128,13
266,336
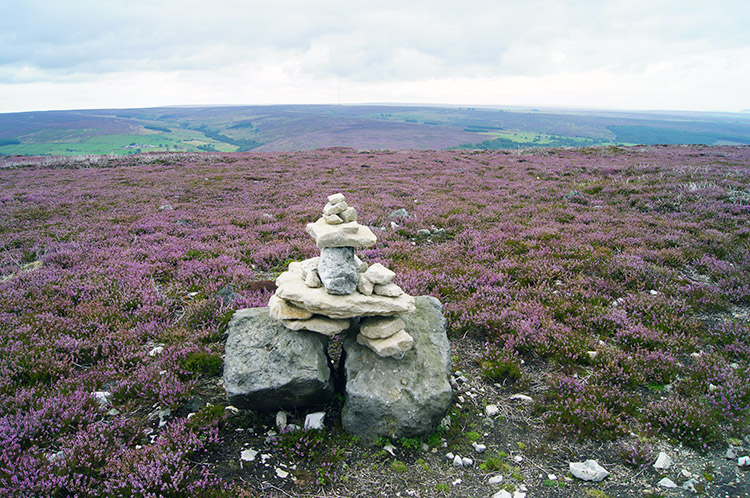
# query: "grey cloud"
387,40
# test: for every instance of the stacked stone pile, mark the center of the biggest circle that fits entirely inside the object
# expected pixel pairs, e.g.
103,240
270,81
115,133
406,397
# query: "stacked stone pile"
324,294
395,361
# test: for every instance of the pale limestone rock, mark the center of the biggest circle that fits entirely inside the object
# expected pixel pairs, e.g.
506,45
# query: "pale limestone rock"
379,274
314,421
398,343
387,290
666,483
306,265
381,327
336,198
312,280
333,219
663,461
590,470
337,208
320,324
348,215
344,235
364,286
292,287
361,265
279,309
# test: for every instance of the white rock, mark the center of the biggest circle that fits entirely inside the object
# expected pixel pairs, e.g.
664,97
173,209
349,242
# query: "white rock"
364,286
522,398
281,420
731,454
336,198
379,274
320,324
190,415
55,457
315,421
349,234
348,215
685,473
390,449
666,483
502,494
458,461
456,482
282,474
518,458
381,327
387,290
689,485
491,410
280,309
467,462
332,219
496,479
157,350
479,448
248,455
312,280
450,456
331,209
552,477
398,343
589,470
592,354
232,409
102,397
292,287
654,292
663,461
361,265
519,494
743,461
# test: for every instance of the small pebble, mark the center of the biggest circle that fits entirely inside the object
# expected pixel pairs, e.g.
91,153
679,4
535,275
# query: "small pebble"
491,410
449,456
458,461
496,479
467,462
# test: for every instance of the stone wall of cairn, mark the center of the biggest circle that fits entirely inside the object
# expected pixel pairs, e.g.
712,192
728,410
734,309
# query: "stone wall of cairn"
324,294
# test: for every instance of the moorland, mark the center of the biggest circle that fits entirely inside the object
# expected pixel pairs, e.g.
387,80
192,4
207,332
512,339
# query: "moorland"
610,285
391,127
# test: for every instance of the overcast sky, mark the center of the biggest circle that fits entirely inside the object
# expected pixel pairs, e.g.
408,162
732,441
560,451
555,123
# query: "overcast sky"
616,54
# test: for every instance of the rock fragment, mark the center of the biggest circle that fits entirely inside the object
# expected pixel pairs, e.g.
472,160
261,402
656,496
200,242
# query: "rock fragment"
590,470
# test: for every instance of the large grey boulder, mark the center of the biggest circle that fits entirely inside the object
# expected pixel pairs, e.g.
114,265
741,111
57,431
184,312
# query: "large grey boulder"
337,270
404,397
269,367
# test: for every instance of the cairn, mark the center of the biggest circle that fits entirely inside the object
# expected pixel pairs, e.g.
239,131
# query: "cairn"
326,294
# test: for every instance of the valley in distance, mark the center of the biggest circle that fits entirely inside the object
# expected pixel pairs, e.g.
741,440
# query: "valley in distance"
285,128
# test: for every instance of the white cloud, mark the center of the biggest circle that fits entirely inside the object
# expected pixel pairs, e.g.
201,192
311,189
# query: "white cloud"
612,53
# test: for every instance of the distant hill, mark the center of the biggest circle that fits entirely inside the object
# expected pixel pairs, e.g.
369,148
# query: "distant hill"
304,127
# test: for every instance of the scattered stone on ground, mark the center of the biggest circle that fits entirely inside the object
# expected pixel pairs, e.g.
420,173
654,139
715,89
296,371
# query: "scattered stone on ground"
590,470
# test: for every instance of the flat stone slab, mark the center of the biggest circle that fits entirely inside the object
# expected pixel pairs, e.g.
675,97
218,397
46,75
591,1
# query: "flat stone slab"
320,324
406,397
269,367
291,287
350,234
